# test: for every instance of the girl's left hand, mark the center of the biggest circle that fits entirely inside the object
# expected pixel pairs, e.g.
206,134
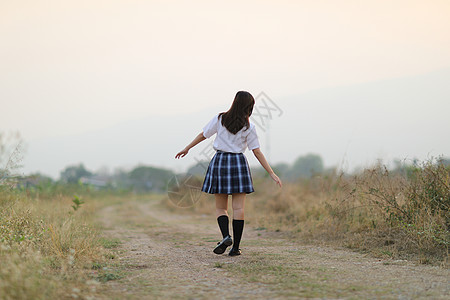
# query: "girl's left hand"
182,153
276,179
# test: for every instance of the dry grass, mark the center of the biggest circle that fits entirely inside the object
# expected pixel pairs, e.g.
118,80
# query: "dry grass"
397,214
47,249
389,214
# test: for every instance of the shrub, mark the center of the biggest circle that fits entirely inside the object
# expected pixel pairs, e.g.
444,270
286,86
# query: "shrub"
409,209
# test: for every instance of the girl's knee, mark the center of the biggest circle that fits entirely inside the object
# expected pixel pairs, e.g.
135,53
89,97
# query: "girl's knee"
222,211
238,213
238,209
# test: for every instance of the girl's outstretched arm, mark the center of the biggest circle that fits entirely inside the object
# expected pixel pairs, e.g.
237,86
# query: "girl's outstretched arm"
262,160
185,151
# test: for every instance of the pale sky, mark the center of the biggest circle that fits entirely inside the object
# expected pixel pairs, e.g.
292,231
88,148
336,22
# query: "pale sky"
73,67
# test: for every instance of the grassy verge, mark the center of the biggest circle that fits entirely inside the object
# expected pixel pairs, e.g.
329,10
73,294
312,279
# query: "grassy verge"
50,247
401,215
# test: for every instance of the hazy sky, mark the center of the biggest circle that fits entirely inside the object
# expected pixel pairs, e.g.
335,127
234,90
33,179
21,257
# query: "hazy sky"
68,67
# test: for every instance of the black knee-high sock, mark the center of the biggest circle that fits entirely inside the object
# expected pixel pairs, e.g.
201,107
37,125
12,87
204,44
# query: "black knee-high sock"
238,227
223,225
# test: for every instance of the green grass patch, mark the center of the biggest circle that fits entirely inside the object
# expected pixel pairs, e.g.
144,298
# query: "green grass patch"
110,243
108,276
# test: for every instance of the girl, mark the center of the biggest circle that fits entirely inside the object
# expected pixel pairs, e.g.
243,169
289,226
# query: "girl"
228,172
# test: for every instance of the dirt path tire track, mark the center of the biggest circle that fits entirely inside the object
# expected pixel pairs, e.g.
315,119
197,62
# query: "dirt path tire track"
165,260
169,255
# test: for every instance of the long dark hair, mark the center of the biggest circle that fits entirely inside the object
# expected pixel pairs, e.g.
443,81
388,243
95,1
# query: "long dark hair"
239,113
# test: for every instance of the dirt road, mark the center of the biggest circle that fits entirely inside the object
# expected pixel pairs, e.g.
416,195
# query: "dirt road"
166,255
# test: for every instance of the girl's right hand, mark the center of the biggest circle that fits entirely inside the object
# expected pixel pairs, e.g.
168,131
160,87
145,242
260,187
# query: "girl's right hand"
276,179
182,153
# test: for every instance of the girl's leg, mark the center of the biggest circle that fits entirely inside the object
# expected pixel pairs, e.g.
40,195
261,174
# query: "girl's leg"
238,206
221,204
238,219
222,214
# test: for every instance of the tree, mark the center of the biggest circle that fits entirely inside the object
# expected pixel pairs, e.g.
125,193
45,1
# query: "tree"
281,169
145,179
445,161
72,174
11,155
306,166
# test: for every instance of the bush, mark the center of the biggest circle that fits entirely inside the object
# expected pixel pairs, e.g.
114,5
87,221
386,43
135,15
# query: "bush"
409,210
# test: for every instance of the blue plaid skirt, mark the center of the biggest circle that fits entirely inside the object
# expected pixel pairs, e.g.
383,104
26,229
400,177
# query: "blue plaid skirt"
228,173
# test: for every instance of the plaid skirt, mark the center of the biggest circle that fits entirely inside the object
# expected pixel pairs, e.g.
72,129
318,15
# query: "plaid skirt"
228,173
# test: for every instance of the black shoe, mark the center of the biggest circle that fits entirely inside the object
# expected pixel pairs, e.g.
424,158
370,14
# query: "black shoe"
223,245
234,252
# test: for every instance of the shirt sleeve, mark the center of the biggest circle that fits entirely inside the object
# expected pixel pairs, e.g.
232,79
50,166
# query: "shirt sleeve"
252,139
211,128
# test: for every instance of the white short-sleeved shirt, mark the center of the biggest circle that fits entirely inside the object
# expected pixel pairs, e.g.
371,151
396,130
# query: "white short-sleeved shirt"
228,142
